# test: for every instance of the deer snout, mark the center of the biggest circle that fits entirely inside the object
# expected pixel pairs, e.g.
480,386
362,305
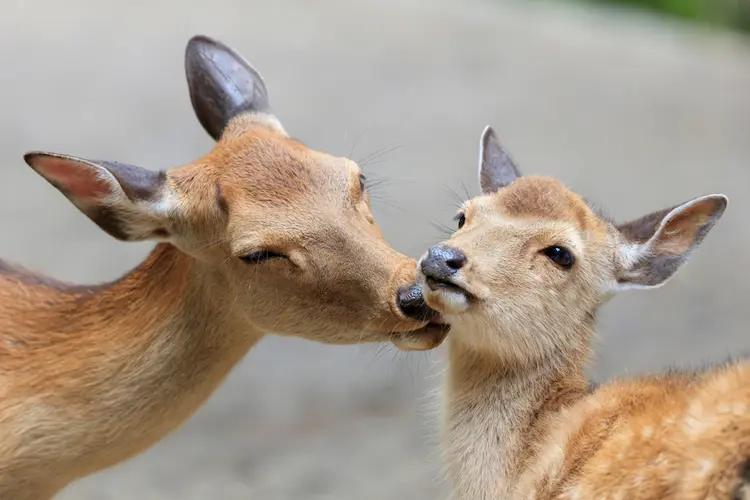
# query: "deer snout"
411,303
442,262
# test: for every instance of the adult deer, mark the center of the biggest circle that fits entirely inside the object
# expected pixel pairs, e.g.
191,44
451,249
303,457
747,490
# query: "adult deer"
520,282
260,235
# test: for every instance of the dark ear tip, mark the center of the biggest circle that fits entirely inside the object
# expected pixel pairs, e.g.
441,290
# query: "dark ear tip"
489,134
200,39
200,43
720,201
30,157
201,47
33,156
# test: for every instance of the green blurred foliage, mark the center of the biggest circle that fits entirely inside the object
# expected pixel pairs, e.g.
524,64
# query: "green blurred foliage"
733,14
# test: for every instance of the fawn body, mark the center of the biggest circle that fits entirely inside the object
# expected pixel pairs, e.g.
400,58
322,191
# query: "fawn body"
520,283
262,235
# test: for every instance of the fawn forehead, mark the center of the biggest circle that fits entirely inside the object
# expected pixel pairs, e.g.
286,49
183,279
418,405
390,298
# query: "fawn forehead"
543,199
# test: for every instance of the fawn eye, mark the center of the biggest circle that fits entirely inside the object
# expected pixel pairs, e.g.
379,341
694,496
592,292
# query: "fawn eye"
261,256
461,219
560,256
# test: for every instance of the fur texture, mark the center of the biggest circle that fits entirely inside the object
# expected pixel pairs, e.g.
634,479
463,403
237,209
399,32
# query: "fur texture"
92,375
521,422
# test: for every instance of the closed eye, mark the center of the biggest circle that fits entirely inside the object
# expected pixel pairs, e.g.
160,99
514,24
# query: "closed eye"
261,256
460,219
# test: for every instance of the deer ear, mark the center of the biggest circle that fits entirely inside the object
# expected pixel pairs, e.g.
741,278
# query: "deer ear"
130,203
655,246
496,167
223,85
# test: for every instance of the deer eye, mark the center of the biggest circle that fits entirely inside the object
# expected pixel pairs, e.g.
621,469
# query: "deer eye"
560,256
461,219
261,256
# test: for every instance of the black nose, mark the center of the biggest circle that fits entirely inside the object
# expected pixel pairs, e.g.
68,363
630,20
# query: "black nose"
412,304
441,262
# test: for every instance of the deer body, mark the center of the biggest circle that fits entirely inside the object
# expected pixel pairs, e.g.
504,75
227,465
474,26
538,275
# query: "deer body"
520,283
261,235
545,435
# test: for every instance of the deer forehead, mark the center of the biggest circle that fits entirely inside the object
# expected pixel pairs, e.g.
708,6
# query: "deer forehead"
262,170
541,202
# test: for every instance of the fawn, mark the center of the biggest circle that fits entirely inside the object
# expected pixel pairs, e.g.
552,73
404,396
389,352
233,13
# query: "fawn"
520,283
261,235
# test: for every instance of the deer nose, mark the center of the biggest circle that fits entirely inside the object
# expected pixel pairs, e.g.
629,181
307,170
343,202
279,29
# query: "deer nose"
442,262
412,304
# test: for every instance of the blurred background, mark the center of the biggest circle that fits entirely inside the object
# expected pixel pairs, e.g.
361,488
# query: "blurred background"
636,108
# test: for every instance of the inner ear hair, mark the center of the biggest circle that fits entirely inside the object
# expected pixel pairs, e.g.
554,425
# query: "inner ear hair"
642,229
658,244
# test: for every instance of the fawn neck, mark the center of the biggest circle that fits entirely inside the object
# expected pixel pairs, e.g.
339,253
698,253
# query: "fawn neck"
497,410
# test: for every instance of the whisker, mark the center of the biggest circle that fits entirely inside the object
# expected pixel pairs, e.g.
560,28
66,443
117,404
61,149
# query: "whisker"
367,160
466,192
354,144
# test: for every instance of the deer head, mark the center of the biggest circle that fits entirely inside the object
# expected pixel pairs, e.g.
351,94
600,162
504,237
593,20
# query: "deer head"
286,231
531,261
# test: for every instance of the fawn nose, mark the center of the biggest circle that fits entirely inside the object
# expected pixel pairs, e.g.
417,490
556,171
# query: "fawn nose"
442,262
412,304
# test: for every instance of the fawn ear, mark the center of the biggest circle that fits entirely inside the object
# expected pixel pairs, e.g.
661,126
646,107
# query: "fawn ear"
130,203
223,85
655,246
496,167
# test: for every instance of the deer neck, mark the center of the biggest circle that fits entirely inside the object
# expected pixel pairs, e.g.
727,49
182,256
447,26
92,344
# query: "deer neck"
169,318
497,410
133,359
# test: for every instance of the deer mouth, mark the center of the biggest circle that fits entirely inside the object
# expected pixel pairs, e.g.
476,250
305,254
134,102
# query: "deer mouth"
428,337
447,286
411,303
435,284
447,295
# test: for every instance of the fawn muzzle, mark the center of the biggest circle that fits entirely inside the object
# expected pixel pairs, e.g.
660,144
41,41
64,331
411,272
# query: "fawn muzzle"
442,263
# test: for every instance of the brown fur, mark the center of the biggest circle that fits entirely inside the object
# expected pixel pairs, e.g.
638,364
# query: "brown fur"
90,376
520,420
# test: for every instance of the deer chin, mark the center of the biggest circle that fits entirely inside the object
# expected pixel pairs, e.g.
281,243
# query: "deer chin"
447,298
428,337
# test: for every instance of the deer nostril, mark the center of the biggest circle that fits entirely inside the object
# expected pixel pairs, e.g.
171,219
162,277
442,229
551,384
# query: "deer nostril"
456,262
412,304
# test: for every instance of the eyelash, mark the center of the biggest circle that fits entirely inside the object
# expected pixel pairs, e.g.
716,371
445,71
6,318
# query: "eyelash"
261,256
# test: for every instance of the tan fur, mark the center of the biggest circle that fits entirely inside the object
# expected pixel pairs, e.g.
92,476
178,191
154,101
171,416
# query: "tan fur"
520,419
90,376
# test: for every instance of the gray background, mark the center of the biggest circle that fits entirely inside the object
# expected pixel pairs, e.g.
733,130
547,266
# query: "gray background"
633,111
